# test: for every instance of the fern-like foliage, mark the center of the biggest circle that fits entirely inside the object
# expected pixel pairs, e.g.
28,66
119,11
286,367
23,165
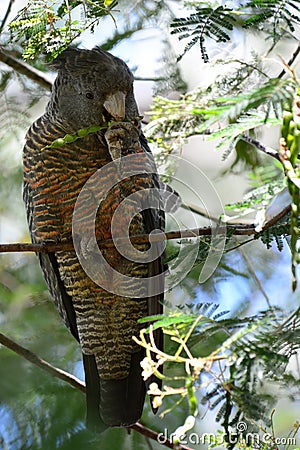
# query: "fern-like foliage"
242,75
230,135
198,112
47,27
169,77
276,233
13,109
12,115
272,97
260,196
206,22
268,201
281,14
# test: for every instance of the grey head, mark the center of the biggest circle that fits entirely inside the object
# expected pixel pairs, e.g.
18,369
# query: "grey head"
91,88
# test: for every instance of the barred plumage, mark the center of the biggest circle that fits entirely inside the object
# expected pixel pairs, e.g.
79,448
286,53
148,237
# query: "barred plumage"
90,88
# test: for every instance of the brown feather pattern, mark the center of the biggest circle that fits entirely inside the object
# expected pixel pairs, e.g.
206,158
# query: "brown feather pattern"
103,322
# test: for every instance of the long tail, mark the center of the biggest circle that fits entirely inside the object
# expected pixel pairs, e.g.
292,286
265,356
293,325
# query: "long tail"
114,403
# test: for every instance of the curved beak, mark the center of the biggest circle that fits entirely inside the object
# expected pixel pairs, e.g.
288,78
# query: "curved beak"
115,105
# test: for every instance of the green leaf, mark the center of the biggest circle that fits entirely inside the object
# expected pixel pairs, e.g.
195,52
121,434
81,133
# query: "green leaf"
272,96
231,134
165,321
280,13
47,27
206,22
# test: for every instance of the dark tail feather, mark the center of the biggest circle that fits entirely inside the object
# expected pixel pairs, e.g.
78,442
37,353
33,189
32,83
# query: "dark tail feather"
122,401
92,382
114,403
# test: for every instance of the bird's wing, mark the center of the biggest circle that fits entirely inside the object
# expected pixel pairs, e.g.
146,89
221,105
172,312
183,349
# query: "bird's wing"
37,138
47,261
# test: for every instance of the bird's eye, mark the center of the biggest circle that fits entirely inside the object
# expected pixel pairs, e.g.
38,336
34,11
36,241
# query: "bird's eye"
89,95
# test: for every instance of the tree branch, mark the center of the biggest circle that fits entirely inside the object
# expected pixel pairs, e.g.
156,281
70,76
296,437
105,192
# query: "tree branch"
263,148
291,61
38,76
154,436
34,359
6,15
240,230
25,69
76,383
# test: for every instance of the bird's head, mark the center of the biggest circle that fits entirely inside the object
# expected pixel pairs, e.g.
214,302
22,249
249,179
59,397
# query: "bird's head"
92,87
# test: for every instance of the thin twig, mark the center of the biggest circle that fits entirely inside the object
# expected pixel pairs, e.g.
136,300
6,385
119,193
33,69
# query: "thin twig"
255,277
76,383
154,79
240,230
38,76
291,61
202,212
263,148
25,69
154,436
6,15
148,442
34,359
36,248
